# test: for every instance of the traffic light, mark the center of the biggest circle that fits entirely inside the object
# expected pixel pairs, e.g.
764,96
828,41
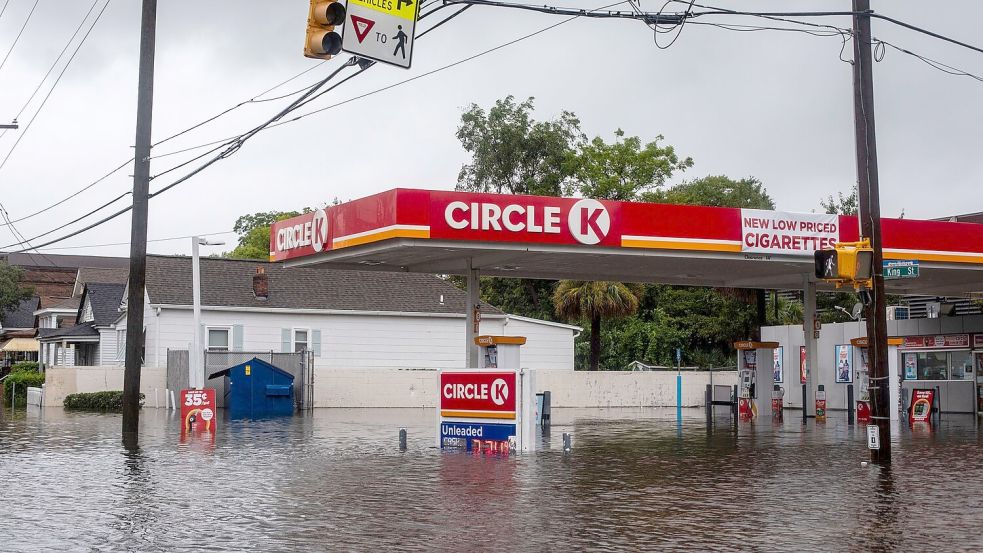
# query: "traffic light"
848,263
322,41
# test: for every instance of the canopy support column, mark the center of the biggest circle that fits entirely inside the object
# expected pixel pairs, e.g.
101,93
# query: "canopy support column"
812,353
472,316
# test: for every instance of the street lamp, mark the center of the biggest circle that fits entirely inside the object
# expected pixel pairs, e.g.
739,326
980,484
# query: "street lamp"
196,364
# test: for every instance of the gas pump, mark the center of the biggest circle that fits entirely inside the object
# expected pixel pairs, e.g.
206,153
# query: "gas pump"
499,351
754,372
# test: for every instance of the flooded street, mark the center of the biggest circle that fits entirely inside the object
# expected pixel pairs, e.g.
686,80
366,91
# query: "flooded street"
335,480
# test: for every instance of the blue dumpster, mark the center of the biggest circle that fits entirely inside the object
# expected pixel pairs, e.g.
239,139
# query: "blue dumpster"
257,389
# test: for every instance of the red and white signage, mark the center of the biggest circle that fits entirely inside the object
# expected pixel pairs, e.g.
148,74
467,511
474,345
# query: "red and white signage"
921,405
478,394
198,411
936,342
550,221
978,341
780,233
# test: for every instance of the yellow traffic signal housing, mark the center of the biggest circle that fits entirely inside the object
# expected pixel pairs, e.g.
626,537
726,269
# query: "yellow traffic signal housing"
322,40
848,263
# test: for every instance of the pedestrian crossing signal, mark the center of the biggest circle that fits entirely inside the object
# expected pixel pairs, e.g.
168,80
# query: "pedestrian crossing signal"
322,40
848,263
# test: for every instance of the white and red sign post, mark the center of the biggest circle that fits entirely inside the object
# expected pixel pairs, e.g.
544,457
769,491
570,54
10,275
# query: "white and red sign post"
486,410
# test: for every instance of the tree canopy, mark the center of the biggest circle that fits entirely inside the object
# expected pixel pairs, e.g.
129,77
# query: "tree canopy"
624,169
254,233
514,154
11,290
716,191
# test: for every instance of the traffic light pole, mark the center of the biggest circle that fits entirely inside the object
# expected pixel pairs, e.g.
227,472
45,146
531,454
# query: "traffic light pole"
138,228
870,226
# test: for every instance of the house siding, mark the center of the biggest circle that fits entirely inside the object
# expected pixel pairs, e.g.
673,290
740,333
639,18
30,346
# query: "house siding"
363,341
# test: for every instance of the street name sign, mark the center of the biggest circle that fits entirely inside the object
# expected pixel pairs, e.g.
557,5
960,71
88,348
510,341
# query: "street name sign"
895,269
381,30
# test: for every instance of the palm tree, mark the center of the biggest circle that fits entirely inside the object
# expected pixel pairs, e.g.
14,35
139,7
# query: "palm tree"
595,300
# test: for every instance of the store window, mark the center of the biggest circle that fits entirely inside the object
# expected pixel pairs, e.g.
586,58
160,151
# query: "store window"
933,365
301,340
218,339
961,363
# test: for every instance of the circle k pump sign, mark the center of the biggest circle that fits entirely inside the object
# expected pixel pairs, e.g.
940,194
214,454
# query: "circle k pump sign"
481,395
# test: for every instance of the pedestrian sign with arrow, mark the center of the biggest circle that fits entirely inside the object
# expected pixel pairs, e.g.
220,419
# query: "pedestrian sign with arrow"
381,30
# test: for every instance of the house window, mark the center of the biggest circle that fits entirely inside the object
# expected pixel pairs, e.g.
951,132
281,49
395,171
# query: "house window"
219,339
301,340
121,345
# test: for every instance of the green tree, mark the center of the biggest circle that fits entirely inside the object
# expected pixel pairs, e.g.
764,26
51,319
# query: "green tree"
842,205
254,233
716,191
513,153
624,169
11,290
594,301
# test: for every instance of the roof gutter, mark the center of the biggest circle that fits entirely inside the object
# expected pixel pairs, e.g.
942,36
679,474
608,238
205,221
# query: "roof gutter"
289,310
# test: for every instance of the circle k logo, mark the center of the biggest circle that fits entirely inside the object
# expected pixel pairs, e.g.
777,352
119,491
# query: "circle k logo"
589,221
319,230
499,391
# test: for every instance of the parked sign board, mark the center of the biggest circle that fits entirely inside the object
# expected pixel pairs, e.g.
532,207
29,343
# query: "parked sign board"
198,410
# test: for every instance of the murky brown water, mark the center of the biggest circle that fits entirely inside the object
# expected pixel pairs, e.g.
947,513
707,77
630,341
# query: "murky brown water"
635,481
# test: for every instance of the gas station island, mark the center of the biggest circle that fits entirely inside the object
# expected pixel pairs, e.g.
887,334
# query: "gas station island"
474,234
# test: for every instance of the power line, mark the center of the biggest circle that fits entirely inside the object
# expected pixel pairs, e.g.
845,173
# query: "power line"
4,8
231,149
54,86
22,27
169,239
53,65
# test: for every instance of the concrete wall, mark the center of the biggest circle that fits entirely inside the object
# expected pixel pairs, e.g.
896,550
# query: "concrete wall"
350,341
418,388
61,381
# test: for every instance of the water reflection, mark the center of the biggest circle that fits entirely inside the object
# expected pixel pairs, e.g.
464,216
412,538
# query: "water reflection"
635,480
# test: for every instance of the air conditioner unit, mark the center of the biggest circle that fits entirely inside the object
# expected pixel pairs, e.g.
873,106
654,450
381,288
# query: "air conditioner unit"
898,312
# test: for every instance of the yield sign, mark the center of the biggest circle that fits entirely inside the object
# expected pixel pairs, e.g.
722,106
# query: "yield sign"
362,26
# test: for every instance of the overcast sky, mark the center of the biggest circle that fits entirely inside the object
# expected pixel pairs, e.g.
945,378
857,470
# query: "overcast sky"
776,106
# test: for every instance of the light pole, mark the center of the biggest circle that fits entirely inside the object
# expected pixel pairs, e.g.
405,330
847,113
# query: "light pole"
196,360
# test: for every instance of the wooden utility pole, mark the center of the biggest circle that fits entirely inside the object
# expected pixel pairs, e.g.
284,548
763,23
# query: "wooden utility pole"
870,226
138,228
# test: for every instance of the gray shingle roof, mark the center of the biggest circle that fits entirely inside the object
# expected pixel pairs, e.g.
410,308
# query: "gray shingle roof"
20,315
105,300
60,260
229,282
97,275
77,331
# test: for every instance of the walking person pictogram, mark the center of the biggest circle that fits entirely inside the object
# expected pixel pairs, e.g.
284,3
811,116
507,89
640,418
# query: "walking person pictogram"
401,37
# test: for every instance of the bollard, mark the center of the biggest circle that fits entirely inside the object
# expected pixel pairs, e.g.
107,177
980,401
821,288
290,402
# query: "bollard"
402,439
849,404
567,442
805,410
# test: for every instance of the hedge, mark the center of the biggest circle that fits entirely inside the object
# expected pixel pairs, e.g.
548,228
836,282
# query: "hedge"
22,379
97,401
24,366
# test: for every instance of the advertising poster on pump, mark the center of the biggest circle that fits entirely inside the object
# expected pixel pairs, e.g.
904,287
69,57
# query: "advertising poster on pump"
779,364
844,364
803,368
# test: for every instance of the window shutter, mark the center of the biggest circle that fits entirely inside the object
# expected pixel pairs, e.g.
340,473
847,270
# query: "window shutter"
236,337
316,342
285,340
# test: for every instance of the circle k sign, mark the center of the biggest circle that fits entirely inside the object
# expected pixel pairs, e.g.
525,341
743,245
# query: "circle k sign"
589,221
479,394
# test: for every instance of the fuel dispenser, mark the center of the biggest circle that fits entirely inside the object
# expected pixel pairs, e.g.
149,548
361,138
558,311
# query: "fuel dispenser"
755,376
863,379
496,352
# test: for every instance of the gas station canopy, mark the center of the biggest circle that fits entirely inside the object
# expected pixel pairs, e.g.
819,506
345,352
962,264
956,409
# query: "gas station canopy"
583,239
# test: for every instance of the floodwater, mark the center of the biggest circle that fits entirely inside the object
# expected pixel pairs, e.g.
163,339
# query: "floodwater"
336,481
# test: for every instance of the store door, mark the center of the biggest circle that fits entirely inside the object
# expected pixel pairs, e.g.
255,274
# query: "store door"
979,383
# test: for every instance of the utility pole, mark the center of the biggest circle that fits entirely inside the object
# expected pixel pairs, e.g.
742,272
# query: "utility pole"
138,228
870,226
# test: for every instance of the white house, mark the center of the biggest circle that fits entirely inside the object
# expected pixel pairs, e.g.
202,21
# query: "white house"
348,319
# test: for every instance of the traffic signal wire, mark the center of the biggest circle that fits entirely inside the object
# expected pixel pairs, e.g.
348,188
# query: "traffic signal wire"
55,64
233,145
53,86
19,33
